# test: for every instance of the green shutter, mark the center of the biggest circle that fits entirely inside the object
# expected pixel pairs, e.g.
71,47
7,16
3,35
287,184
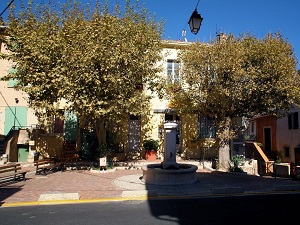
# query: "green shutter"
70,129
10,120
11,82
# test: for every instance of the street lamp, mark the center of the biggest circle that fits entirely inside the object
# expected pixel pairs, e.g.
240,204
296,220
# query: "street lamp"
195,22
17,101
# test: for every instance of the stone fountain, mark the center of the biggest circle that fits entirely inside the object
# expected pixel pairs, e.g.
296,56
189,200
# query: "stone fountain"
169,172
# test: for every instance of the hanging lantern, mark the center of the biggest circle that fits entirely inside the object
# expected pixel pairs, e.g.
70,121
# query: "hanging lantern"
195,22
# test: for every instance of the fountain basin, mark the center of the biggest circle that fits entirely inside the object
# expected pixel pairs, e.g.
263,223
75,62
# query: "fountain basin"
179,173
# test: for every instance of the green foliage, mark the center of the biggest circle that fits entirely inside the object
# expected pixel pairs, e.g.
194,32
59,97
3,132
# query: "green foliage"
104,150
237,77
151,144
236,163
86,58
278,157
259,144
250,137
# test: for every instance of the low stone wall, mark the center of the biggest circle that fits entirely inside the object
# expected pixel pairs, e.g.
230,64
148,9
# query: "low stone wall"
250,167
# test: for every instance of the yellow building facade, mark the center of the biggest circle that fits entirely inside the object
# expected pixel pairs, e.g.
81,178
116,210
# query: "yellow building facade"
14,112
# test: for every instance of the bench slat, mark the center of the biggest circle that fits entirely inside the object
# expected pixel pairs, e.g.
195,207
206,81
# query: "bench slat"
11,172
12,175
5,170
43,162
10,166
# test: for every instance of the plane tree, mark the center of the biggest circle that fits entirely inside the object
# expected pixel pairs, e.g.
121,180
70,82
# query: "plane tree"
236,77
95,59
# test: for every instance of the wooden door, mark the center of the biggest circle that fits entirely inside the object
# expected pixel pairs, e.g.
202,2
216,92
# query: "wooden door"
23,154
297,156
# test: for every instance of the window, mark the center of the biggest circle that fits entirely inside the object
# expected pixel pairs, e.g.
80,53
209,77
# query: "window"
206,127
133,117
286,151
171,118
173,70
293,122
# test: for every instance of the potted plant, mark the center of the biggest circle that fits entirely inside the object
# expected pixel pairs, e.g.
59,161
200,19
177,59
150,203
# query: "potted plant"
151,146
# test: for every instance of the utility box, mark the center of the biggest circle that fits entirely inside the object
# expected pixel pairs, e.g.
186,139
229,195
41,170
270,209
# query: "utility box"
102,162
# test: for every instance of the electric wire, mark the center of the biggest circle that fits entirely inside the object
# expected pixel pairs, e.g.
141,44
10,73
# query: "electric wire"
6,7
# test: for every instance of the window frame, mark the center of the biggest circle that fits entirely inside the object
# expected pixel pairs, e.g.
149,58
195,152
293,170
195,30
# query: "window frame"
206,127
173,70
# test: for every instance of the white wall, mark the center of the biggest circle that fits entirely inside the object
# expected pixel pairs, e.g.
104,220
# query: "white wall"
287,137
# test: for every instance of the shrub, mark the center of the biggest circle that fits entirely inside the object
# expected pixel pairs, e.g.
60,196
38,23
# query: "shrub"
236,163
151,144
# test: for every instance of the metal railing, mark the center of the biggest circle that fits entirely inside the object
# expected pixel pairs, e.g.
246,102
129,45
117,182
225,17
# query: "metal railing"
15,128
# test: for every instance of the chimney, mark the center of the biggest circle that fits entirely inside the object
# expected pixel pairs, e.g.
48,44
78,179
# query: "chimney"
221,36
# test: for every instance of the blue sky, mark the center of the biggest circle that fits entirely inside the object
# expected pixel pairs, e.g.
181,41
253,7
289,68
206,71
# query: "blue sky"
257,17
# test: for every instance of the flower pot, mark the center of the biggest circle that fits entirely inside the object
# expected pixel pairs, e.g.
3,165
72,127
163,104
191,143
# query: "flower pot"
150,155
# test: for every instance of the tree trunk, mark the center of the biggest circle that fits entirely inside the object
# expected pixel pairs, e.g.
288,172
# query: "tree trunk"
101,131
224,148
224,157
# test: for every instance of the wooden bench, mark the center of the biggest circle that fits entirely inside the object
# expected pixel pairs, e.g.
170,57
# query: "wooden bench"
44,166
11,172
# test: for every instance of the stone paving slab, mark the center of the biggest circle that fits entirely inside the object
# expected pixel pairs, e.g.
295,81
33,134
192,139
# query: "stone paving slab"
59,196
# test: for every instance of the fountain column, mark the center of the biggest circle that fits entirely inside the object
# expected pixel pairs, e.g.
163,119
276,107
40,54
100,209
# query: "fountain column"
169,160
169,172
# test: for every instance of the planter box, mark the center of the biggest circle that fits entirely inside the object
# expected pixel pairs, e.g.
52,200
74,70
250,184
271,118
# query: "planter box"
281,170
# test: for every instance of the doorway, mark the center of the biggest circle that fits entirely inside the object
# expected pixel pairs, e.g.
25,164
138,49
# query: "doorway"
89,143
297,156
23,153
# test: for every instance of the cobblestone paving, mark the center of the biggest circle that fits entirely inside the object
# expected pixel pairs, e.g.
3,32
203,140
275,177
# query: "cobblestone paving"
101,185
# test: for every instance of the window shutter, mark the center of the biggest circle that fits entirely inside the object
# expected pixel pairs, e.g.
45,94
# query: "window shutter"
290,121
296,123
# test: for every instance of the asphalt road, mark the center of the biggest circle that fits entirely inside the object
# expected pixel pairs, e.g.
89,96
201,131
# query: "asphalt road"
245,209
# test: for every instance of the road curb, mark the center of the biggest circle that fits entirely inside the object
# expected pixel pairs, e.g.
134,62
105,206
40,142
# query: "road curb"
227,190
287,188
139,193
